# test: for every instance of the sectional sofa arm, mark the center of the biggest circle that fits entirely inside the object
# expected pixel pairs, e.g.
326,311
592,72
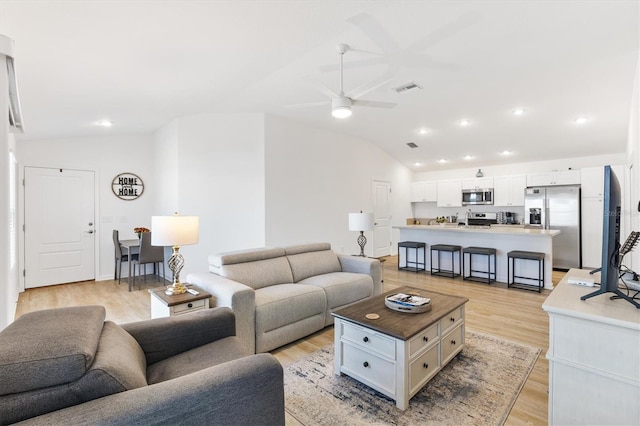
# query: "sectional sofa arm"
237,296
161,338
246,391
363,265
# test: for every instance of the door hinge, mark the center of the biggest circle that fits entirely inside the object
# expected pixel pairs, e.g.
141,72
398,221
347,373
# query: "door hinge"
22,181
24,272
23,227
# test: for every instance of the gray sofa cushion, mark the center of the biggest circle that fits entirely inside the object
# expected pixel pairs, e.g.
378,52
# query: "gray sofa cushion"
242,256
277,306
49,347
259,274
119,364
342,289
305,265
218,352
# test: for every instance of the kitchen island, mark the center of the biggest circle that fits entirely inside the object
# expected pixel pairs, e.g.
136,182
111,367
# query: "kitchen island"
503,238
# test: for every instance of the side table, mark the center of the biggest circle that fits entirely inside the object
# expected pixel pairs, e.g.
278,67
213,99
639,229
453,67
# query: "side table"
163,305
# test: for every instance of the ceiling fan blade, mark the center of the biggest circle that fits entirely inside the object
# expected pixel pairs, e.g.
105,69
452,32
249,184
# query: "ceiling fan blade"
321,87
308,104
352,64
372,28
445,31
373,104
381,81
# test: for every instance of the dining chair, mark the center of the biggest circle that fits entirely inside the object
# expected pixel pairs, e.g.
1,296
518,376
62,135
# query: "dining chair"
148,254
119,257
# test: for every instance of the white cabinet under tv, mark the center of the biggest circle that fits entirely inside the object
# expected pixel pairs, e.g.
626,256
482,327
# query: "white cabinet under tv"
594,356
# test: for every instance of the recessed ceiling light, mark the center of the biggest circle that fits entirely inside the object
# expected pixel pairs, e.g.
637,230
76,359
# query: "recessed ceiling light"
423,131
417,163
505,152
518,111
464,122
442,160
581,120
104,123
468,157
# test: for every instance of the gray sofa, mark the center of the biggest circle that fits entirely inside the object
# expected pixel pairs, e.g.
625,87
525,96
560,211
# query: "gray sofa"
70,366
282,294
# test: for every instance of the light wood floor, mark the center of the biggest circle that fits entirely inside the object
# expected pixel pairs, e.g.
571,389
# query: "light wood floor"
512,314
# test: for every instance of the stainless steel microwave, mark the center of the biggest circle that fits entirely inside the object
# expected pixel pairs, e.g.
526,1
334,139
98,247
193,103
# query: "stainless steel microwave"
477,196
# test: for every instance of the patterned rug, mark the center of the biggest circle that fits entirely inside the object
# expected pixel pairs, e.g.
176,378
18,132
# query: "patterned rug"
478,387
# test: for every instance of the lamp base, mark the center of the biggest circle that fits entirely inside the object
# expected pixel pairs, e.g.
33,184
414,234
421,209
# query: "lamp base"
175,288
362,241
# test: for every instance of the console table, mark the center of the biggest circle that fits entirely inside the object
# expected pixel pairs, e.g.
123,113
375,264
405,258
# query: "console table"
594,356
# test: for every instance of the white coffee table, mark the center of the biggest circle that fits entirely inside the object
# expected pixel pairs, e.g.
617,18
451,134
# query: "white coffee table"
398,353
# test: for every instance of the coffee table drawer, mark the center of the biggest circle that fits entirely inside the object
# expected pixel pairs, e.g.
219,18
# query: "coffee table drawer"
370,369
422,368
450,319
369,340
423,339
452,342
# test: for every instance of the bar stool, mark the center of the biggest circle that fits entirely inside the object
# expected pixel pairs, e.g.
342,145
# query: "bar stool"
482,251
439,248
417,265
514,255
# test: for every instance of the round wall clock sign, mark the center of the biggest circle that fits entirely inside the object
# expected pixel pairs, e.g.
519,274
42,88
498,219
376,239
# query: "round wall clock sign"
127,186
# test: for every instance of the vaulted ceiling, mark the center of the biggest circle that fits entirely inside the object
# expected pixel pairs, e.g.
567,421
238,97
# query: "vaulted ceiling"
141,64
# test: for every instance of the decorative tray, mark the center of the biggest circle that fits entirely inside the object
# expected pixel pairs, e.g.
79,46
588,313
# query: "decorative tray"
409,303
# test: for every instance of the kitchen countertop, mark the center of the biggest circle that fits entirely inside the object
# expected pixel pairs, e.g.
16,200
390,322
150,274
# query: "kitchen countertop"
497,230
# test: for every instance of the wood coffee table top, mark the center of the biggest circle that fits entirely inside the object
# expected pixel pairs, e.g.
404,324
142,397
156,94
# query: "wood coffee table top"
400,325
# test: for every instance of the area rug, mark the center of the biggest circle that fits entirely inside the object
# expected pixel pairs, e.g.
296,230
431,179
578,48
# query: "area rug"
478,387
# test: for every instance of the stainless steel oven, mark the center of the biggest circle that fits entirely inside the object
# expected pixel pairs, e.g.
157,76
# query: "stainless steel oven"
477,196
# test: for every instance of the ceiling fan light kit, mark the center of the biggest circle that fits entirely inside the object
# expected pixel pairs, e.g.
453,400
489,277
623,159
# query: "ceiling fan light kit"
341,107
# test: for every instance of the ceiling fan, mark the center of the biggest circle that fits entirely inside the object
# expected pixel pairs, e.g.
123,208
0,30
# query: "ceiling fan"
342,102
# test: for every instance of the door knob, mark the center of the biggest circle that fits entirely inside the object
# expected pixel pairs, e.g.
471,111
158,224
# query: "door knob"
89,232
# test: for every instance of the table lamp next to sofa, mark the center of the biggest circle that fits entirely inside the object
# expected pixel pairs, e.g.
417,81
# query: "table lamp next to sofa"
174,231
361,222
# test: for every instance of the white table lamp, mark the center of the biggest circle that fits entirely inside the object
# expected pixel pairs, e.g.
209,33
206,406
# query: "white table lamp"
361,222
174,231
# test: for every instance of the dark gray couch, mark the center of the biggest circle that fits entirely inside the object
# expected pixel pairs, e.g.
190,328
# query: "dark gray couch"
70,366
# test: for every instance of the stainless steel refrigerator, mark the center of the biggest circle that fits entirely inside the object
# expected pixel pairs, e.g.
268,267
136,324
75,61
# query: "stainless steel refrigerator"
557,207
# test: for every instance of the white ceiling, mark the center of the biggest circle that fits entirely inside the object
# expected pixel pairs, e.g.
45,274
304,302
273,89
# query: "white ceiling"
143,63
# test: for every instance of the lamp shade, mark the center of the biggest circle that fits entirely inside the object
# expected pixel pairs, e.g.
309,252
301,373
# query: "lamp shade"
174,230
360,221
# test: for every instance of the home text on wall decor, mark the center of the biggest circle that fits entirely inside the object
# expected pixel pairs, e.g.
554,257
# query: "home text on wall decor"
127,186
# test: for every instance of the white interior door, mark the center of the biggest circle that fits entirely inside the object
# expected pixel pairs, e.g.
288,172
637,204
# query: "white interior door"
59,226
381,218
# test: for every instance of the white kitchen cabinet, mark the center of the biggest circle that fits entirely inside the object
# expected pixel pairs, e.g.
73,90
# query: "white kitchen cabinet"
562,177
592,181
592,198
424,191
592,216
477,183
449,193
509,190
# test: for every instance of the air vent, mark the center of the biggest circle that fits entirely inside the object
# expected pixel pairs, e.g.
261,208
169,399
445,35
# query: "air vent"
411,145
408,86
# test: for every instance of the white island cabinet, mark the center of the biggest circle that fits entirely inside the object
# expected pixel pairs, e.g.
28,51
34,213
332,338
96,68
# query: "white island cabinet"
594,356
503,238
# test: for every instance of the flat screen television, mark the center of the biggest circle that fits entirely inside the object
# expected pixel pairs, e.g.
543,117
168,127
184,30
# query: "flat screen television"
610,269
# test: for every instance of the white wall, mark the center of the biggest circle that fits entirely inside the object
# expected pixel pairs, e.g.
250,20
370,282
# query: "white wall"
633,167
315,178
217,168
107,156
